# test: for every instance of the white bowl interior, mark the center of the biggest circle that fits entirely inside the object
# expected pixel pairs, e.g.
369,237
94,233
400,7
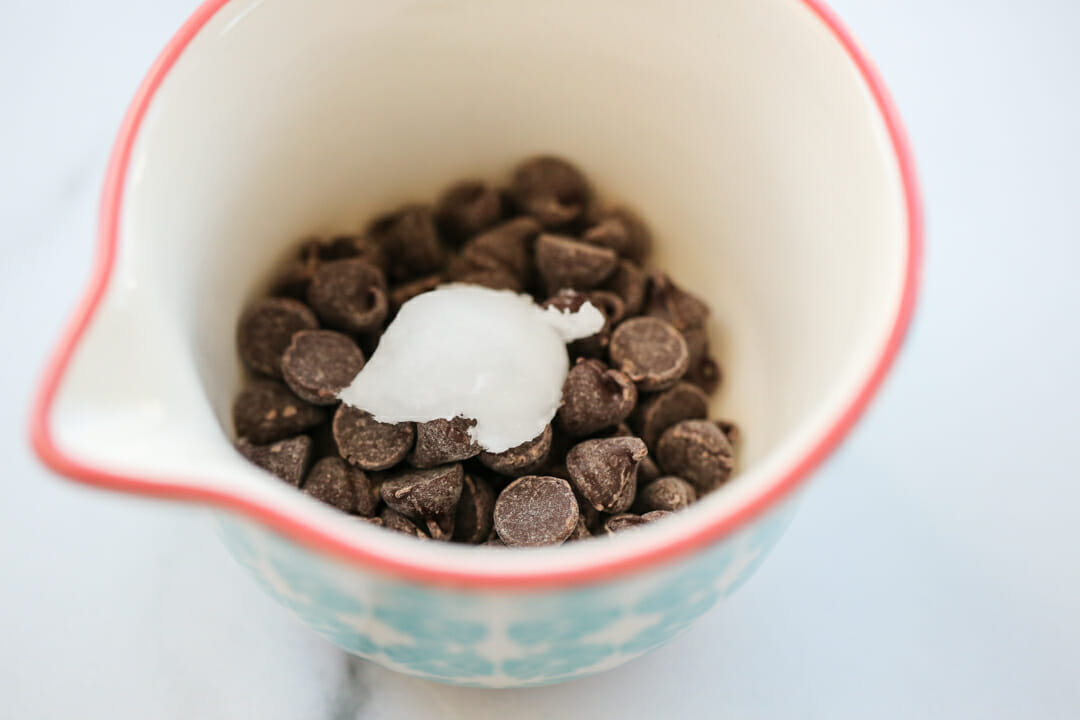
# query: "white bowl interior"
740,129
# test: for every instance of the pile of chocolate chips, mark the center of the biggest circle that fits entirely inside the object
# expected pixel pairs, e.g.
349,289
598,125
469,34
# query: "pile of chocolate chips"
631,442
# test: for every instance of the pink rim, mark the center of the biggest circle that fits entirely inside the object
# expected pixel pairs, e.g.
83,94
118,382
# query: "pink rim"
314,537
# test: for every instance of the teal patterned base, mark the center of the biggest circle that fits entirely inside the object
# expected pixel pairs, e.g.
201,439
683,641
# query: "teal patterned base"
499,638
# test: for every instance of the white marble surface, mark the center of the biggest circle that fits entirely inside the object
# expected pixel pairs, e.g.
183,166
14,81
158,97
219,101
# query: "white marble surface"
931,572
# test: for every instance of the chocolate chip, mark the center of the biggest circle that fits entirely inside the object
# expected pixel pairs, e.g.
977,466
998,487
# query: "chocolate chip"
265,329
473,523
411,242
344,247
551,190
322,438
590,515
467,208
706,374
266,411
604,471
495,278
406,291
564,262
350,295
656,413
443,441
294,278
370,444
647,472
535,510
625,521
570,301
581,530
622,231
697,451
524,459
667,493
730,430
629,282
669,302
609,305
507,247
337,483
318,364
702,370
393,520
429,496
285,458
594,397
650,351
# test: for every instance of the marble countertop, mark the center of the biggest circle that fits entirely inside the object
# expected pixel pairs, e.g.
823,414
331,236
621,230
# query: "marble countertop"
931,571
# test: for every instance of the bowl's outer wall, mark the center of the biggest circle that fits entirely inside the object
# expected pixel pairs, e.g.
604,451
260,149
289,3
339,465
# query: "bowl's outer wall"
499,638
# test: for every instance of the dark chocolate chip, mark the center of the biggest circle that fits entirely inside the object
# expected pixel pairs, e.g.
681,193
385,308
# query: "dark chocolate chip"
495,278
703,370
625,521
429,496
622,231
265,329
564,262
594,397
650,351
551,190
350,295
507,247
656,413
406,291
629,283
669,302
370,444
293,279
697,451
609,305
731,430
443,441
667,493
536,510
266,411
590,515
647,472
604,471
322,438
524,459
411,242
345,247
706,374
467,208
337,483
318,364
288,459
473,523
581,530
393,520
620,430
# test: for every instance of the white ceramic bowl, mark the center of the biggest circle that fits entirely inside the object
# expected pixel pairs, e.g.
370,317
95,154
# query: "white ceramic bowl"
753,135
